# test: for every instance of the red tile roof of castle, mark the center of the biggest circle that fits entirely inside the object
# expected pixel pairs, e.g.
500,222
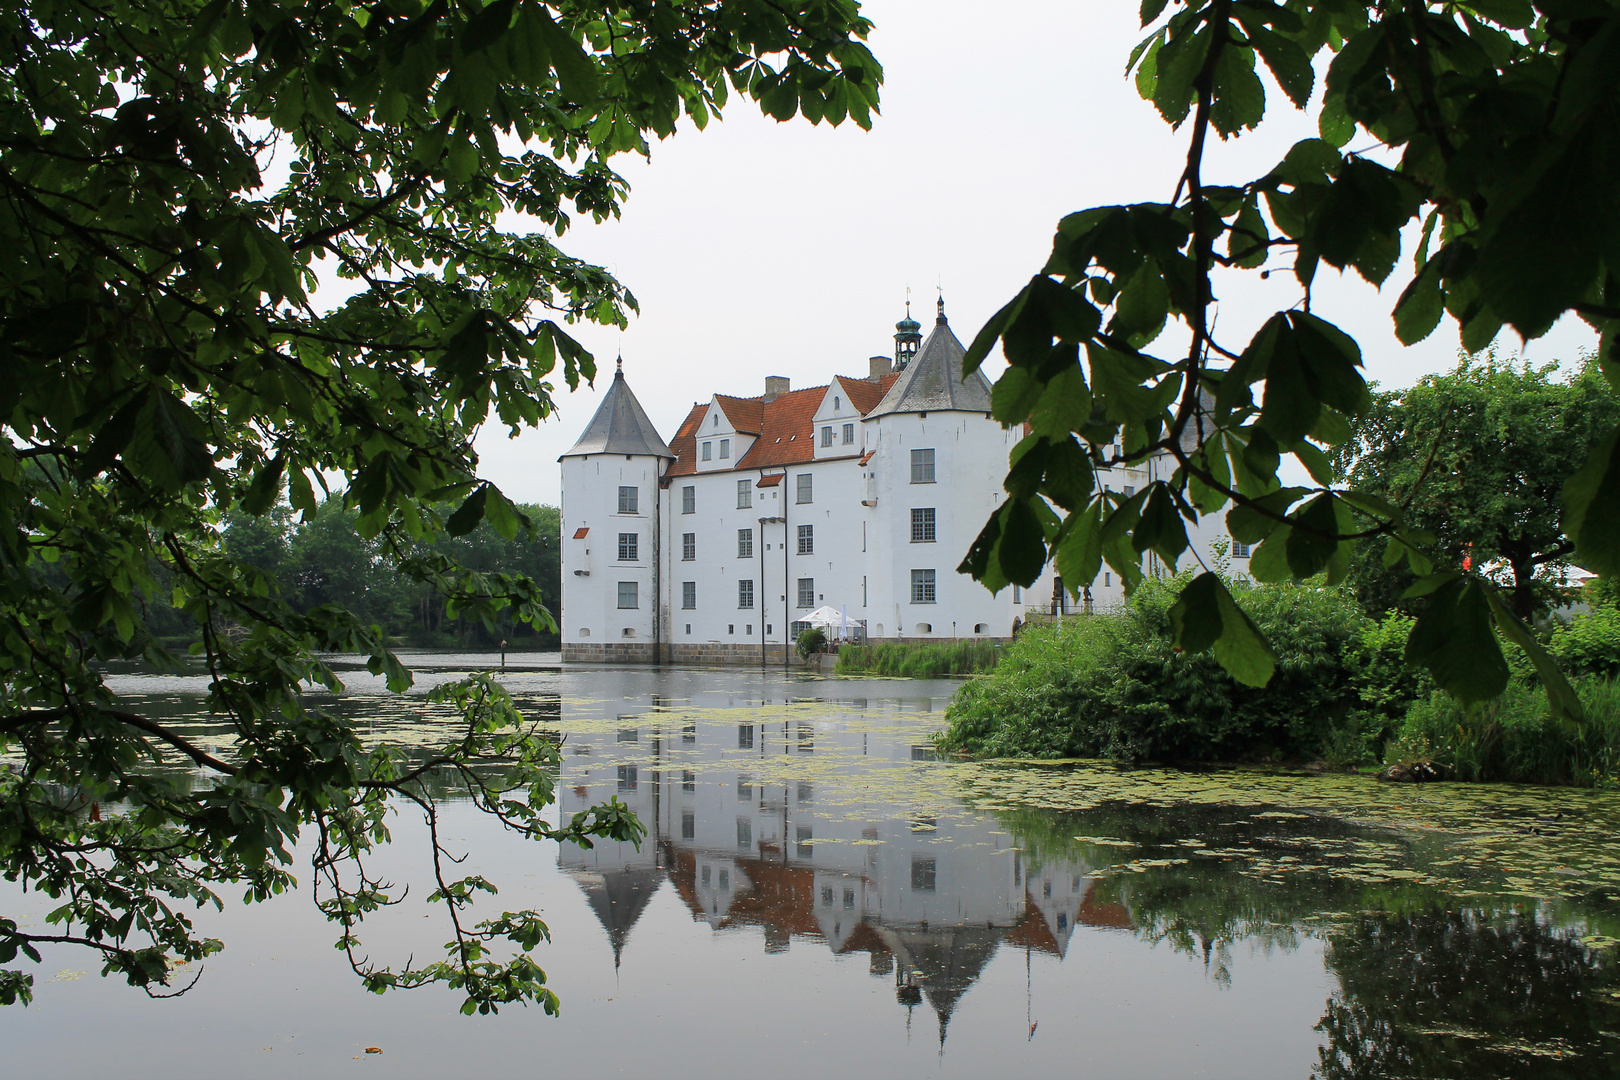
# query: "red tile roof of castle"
784,426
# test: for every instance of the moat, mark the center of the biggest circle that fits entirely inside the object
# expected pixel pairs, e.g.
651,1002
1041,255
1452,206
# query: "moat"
818,895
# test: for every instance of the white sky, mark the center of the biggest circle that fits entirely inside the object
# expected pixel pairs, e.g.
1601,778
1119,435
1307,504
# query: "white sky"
761,248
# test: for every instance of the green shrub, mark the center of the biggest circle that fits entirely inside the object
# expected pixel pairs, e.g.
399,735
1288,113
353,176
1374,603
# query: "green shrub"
1516,738
1112,686
812,639
1588,644
916,660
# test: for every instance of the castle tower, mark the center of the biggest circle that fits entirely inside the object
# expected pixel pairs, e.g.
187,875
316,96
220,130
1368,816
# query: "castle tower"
610,533
907,337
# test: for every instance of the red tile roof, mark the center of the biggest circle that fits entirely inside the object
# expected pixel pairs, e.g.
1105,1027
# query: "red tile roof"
684,444
579,533
742,412
865,394
788,435
773,480
784,426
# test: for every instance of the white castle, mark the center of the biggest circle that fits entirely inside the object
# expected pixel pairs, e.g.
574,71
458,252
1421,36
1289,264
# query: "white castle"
861,496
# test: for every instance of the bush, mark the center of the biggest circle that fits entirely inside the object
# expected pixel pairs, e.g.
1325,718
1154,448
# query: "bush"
916,660
1588,644
1516,738
812,639
1112,686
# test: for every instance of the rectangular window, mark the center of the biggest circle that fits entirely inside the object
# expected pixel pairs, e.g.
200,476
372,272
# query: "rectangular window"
628,500
688,499
922,466
807,539
688,595
745,736
688,825
627,778
627,547
627,594
708,450
745,543
725,449
803,835
688,547
922,873
688,780
826,436
849,434
807,592
803,494
1018,595
1129,491
745,494
745,594
1239,551
922,525
745,832
922,586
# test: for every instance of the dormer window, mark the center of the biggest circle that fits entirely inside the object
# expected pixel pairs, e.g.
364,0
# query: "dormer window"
716,420
838,403
708,451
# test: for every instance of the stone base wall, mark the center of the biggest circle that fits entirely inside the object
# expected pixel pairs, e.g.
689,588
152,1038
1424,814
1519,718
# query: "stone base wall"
608,652
726,653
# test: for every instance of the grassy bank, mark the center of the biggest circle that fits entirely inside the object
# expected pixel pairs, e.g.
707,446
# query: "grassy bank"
913,660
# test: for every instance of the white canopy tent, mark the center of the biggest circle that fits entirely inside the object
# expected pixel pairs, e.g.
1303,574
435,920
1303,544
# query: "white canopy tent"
831,618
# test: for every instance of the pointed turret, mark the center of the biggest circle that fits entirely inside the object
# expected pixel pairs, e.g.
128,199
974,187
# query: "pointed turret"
618,897
907,336
620,426
932,381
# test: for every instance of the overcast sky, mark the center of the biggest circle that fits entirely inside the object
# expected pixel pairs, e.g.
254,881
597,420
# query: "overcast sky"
760,248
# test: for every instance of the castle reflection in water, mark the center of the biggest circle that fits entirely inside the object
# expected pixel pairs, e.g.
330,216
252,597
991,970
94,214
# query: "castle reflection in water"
753,826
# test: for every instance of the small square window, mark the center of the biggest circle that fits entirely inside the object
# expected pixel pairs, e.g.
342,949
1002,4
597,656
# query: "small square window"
1239,550
628,500
627,595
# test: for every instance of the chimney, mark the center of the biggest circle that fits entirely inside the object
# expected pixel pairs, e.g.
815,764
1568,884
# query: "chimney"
775,387
880,368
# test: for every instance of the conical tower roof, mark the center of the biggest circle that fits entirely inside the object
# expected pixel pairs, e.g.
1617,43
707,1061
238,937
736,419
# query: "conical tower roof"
933,382
620,426
619,897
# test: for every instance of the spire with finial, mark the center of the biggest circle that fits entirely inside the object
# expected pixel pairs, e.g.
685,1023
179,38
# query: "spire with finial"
939,320
907,337
620,370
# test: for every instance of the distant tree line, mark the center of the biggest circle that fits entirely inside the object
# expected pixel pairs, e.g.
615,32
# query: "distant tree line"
326,560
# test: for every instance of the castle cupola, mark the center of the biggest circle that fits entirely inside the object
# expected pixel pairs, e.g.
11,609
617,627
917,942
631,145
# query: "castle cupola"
907,338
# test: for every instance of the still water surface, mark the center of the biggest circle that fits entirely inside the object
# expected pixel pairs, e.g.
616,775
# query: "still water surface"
819,897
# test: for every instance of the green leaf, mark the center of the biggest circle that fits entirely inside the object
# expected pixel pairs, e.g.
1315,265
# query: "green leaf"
1456,640
1418,310
266,487
469,513
1021,549
1239,100
576,72
1205,615
1561,697
1592,508
1288,63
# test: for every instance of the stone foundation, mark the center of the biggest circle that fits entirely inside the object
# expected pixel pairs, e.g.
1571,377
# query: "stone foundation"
608,652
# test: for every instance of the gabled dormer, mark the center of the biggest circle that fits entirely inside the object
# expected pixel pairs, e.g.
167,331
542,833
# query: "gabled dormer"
836,425
726,432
